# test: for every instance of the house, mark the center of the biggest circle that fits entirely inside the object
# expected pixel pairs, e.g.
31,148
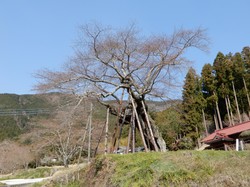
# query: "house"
232,137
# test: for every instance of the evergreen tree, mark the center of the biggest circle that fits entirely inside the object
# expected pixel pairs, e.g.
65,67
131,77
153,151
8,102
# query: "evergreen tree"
193,103
208,87
238,75
245,54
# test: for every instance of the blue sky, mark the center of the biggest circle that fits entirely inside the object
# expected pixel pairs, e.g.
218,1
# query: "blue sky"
37,34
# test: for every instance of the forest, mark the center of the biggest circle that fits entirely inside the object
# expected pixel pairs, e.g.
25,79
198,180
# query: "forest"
216,99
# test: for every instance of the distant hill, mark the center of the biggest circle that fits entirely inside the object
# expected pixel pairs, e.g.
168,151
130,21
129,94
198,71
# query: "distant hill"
18,111
15,112
27,122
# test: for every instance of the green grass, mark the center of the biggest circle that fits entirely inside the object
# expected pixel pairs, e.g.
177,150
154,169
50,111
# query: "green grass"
182,168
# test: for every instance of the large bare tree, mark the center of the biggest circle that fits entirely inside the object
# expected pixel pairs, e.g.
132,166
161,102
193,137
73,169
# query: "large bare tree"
125,65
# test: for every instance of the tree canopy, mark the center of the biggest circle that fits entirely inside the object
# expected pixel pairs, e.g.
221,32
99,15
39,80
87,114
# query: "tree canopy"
114,63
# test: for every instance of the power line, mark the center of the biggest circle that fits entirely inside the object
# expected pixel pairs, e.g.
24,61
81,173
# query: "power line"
24,112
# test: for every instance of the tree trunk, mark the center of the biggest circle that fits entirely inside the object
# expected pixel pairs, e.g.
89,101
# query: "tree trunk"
218,113
248,99
230,109
204,122
65,161
228,112
236,102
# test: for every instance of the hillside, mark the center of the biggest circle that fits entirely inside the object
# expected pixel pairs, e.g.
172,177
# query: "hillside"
181,168
29,123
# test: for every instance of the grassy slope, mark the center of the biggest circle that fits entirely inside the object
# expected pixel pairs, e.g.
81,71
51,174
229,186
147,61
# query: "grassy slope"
182,168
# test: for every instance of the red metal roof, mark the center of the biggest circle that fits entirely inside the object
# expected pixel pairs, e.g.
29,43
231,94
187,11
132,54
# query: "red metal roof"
228,131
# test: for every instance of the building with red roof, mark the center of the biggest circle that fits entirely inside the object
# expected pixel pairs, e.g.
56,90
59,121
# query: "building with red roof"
227,137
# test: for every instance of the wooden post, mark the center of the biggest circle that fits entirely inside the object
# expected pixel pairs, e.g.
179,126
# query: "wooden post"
117,127
90,126
133,131
106,132
149,127
139,124
129,139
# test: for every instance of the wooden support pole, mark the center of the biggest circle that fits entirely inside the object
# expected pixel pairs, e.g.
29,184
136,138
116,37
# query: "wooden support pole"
90,130
139,124
106,132
129,139
117,127
133,131
149,127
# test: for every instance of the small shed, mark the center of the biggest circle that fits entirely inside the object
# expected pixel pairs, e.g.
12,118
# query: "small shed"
229,137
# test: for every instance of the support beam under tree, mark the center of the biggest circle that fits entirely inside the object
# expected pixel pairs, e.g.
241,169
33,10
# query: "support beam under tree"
139,124
90,131
150,129
133,131
117,126
129,139
106,132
